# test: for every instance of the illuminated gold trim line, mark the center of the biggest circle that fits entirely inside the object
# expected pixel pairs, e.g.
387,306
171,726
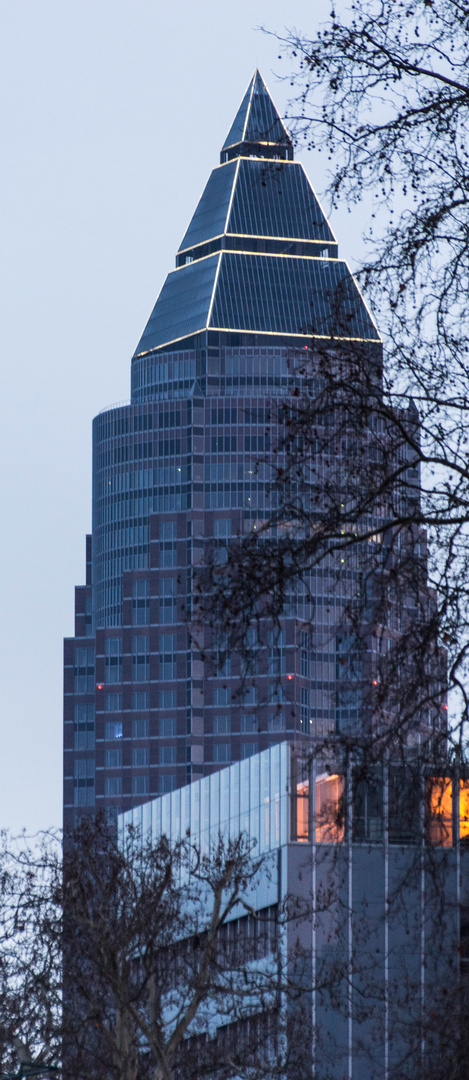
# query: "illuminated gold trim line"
263,333
308,181
278,255
281,333
180,251
230,204
259,255
255,142
258,236
193,247
365,305
215,282
248,110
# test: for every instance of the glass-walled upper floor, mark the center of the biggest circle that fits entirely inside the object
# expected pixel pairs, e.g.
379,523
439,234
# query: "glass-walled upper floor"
279,796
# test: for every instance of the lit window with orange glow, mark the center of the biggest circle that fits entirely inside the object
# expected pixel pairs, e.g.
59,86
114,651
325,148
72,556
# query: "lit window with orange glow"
302,811
439,792
329,809
464,809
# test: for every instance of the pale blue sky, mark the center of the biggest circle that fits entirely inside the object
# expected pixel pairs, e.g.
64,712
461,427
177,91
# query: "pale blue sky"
113,114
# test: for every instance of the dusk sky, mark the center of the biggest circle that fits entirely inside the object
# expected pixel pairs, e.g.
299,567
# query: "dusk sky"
113,116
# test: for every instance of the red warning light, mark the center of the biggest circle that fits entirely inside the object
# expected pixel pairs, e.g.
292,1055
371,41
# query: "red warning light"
375,682
290,676
99,686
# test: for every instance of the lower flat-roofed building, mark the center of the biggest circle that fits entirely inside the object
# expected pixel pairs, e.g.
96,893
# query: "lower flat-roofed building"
365,885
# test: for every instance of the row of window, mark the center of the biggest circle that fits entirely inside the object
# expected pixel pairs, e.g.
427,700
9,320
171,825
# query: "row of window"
84,728
140,785
167,699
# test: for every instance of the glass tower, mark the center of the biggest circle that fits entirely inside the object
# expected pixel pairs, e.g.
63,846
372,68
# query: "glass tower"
257,282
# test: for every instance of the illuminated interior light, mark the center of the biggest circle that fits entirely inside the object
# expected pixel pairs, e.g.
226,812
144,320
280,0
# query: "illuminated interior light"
302,811
329,809
439,807
464,809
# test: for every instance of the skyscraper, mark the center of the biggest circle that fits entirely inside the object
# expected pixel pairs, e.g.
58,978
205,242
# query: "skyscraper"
257,283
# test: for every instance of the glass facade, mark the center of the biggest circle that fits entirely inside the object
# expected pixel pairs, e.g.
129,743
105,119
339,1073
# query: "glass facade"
250,796
185,467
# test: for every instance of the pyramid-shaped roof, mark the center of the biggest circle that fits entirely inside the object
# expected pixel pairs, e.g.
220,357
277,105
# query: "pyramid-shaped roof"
253,197
257,122
259,255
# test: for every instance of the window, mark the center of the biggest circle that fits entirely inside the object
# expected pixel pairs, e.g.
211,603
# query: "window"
167,699
140,603
302,811
439,811
84,671
221,532
168,668
305,711
113,703
222,662
83,727
222,528
464,809
250,659
168,600
140,729
367,805
168,534
277,658
113,660
248,749
140,757
168,725
221,725
277,694
223,444
305,653
113,729
226,415
221,695
167,755
276,721
167,783
248,722
113,759
329,809
140,785
222,752
140,700
140,659
256,443
83,782
113,785
88,617
250,695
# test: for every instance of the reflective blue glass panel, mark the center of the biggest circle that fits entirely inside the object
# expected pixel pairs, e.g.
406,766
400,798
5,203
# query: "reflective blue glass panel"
257,118
182,306
275,198
263,122
210,216
275,294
